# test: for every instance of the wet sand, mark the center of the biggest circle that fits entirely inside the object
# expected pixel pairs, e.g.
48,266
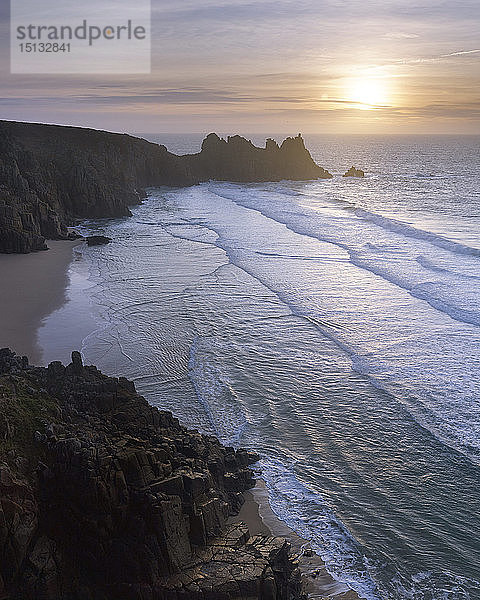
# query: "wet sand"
261,520
31,287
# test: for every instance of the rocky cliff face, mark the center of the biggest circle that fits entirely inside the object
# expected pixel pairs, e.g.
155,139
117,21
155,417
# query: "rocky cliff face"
50,175
104,497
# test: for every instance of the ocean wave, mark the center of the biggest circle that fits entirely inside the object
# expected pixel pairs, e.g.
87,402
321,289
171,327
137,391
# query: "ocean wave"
438,294
346,237
216,394
377,370
307,513
430,264
419,234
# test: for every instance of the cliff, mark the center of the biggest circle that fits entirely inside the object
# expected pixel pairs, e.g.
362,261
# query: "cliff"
51,175
104,497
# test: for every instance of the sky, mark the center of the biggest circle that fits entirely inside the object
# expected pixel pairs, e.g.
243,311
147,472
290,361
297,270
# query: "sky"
284,66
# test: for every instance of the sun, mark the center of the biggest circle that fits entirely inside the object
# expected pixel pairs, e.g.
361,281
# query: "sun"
368,92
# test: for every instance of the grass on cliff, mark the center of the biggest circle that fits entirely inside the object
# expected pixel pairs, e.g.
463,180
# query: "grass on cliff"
24,409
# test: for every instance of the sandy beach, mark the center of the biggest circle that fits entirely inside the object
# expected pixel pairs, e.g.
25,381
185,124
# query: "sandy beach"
32,286
261,520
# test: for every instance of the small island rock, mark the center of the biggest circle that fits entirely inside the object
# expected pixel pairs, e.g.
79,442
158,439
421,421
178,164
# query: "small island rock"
354,172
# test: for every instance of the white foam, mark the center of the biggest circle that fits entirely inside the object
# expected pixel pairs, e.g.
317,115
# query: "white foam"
425,354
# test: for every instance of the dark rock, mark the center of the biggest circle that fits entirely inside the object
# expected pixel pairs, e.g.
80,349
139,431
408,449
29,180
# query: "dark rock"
353,172
98,240
77,363
73,235
247,457
237,159
115,499
242,567
51,175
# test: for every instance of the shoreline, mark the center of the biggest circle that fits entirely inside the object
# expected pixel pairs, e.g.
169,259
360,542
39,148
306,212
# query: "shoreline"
33,286
258,515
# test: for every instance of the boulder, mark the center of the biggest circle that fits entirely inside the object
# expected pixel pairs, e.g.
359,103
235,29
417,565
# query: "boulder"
98,240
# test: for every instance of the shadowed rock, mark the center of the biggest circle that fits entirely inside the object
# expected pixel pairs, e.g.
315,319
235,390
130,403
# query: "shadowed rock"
237,159
104,497
354,172
98,240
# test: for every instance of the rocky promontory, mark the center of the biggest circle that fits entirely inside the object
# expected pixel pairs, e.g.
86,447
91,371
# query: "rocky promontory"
104,497
51,175
237,159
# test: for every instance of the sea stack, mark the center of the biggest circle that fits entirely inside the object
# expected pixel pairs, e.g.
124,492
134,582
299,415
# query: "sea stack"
354,172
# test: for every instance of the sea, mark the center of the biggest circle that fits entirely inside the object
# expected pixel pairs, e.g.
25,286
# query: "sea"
333,326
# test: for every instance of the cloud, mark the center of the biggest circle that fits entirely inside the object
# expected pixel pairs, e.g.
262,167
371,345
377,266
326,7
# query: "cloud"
240,59
399,35
173,97
460,53
433,59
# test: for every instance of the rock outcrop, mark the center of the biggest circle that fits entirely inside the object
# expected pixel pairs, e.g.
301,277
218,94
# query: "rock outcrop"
98,240
237,159
354,172
104,497
51,175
